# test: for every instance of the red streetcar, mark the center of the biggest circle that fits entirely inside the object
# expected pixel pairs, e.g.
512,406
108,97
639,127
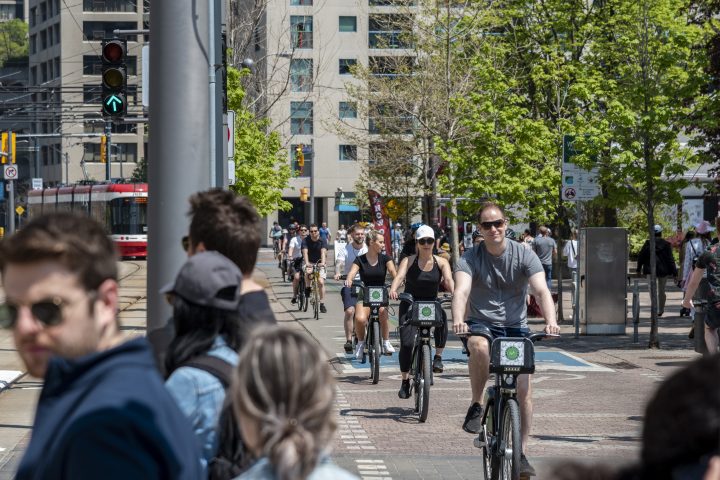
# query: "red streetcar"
121,207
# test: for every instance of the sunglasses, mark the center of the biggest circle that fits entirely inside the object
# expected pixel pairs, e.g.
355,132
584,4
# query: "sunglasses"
314,231
426,241
185,242
495,223
48,312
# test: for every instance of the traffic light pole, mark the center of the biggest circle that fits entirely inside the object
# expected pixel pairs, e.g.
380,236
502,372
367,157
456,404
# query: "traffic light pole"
179,112
108,143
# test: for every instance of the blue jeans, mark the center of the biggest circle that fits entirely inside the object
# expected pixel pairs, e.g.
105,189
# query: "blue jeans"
548,275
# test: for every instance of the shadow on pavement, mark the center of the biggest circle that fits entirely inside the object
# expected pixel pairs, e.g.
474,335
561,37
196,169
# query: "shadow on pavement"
400,415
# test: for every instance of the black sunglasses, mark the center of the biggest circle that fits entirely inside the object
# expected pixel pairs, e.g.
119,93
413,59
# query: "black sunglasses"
426,241
495,223
185,242
48,312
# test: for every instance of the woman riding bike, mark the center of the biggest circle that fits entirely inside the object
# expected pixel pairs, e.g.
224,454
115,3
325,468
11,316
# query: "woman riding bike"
422,274
373,267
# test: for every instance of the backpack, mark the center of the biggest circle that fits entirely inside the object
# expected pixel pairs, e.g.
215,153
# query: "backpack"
232,458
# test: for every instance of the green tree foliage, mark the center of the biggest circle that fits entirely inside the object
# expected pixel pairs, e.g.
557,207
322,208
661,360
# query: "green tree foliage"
139,175
262,169
13,40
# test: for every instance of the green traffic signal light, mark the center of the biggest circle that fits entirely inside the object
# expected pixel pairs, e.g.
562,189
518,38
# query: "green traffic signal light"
114,77
114,105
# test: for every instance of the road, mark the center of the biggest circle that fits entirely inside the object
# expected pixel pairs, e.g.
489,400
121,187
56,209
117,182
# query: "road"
589,393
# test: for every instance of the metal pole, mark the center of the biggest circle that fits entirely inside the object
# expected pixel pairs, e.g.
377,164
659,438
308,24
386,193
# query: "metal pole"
108,145
212,133
312,186
67,168
636,310
179,111
576,293
11,206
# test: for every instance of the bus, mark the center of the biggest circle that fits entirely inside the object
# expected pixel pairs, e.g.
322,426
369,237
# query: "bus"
121,207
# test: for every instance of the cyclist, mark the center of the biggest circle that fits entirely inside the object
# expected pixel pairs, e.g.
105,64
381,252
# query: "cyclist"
346,257
314,250
341,234
422,274
373,268
295,258
492,280
276,234
397,240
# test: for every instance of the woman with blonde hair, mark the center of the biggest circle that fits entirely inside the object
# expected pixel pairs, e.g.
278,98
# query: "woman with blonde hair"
283,395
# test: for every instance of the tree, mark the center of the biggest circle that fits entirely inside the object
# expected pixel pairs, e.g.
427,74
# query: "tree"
651,58
13,40
261,165
139,175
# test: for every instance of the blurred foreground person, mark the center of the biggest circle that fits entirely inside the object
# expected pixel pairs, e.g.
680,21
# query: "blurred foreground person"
103,411
283,395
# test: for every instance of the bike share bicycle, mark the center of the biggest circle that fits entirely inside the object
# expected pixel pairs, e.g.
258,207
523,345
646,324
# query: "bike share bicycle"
314,297
424,315
374,297
500,435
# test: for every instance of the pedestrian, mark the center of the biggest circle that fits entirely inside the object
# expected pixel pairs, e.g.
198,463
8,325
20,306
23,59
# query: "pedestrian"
570,251
491,283
341,234
325,233
103,410
706,266
284,395
346,257
664,265
477,237
528,239
423,274
467,237
695,246
205,297
228,223
546,249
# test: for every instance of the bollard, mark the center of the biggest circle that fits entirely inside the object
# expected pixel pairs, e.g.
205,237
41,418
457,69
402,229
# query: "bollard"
636,310
699,323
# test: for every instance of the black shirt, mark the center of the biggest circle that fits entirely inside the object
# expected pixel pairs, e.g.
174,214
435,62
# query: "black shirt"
314,248
254,309
372,275
423,285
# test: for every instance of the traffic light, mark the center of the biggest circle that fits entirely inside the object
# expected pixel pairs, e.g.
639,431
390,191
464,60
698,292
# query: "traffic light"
304,194
13,157
114,78
103,148
7,147
300,156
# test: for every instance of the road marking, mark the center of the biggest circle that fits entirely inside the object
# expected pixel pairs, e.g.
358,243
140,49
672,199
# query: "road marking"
349,430
372,469
7,377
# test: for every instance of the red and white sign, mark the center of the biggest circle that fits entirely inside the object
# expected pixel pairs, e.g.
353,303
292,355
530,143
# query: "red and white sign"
11,172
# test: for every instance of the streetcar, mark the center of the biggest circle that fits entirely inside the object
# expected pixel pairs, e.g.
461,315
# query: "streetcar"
121,207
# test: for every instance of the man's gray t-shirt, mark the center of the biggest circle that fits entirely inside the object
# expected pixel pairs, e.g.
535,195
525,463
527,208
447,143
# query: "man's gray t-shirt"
499,284
543,247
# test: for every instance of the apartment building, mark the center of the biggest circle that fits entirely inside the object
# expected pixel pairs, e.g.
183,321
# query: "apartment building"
305,51
64,93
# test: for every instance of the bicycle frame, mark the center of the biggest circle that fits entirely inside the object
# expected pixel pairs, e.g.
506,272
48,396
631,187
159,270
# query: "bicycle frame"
375,297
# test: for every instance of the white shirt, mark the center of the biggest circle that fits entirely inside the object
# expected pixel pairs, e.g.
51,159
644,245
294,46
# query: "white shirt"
347,256
570,251
296,247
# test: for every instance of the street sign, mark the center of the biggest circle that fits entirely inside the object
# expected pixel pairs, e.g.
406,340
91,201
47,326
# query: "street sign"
578,184
10,172
37,183
568,193
231,134
19,210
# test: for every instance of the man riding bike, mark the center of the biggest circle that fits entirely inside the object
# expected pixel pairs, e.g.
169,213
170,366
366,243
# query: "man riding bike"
491,282
295,258
344,262
314,250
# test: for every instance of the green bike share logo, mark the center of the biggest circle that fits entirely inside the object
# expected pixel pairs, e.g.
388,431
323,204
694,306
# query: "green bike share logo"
426,312
512,353
376,295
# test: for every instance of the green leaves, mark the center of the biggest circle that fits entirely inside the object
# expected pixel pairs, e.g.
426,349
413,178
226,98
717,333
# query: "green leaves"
13,40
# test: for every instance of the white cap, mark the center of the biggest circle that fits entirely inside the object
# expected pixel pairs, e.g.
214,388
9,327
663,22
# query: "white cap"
658,229
424,231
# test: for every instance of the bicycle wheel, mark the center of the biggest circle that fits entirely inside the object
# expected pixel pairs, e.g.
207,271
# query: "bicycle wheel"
424,391
510,443
301,295
307,299
417,377
374,352
316,300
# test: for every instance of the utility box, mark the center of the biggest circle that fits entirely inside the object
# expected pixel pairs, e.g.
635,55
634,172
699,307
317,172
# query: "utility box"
603,258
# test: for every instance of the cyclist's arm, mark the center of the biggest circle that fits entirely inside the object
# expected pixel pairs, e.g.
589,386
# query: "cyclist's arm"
544,298
291,249
691,287
351,274
390,266
305,256
447,277
399,278
323,256
461,292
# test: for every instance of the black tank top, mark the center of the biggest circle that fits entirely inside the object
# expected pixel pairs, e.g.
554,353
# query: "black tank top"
423,285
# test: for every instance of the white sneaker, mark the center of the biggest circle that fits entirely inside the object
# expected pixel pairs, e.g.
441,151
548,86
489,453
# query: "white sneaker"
387,346
359,348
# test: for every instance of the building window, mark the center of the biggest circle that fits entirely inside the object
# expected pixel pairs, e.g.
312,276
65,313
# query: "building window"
109,5
348,110
301,31
33,44
345,65
348,153
348,24
33,14
305,170
301,74
301,118
57,66
43,40
301,3
389,31
100,30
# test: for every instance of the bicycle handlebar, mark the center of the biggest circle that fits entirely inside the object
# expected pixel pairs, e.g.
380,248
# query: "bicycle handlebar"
407,297
533,337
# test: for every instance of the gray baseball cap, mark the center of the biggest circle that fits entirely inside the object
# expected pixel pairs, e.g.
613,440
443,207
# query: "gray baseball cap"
209,279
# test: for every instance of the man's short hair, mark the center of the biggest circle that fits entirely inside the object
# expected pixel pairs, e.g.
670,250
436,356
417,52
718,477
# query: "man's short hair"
543,230
78,243
227,223
487,205
354,227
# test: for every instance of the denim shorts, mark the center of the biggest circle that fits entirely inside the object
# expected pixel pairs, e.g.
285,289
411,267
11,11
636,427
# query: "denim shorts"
347,298
712,315
476,326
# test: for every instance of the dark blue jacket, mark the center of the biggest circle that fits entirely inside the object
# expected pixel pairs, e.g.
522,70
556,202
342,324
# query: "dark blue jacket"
108,415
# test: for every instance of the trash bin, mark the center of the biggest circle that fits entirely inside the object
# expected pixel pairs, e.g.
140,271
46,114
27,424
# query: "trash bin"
699,324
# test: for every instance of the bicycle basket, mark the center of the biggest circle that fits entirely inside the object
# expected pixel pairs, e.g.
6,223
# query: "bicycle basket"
375,296
426,314
512,355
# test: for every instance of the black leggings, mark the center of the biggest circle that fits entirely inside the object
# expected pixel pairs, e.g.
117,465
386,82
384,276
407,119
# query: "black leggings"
407,337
